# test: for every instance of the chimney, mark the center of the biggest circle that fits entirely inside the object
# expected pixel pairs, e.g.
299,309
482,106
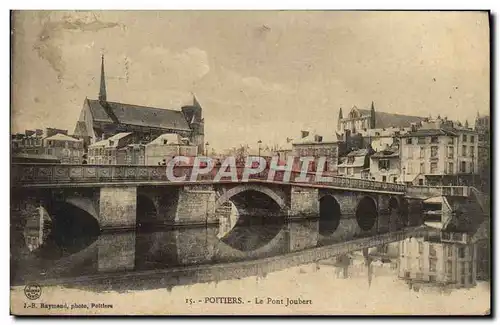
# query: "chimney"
304,134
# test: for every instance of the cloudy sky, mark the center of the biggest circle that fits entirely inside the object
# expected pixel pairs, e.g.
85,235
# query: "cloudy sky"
258,75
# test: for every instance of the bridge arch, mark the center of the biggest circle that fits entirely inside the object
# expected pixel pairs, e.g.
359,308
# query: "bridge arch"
227,195
329,214
259,216
367,213
147,209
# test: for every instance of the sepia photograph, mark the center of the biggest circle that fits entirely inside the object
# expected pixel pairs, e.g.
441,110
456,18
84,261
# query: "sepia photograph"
273,162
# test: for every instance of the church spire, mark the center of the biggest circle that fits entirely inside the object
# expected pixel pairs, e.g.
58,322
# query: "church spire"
372,116
102,88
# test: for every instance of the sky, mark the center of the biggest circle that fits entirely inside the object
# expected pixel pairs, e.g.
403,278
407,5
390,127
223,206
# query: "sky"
259,75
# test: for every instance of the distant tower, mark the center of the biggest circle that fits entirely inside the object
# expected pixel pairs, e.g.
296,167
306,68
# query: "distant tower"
194,116
339,121
102,88
372,117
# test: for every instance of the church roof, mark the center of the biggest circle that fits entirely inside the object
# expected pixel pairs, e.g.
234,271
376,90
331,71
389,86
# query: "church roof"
386,120
139,115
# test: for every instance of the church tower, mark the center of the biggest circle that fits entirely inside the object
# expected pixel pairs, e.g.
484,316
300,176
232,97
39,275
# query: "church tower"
194,116
372,117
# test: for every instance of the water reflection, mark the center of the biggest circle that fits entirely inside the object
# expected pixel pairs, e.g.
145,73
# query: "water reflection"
440,260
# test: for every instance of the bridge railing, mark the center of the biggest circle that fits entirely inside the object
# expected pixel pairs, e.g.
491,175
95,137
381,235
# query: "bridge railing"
58,173
430,191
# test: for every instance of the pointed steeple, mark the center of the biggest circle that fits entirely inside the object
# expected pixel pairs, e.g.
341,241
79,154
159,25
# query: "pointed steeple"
195,101
102,88
339,121
372,115
467,123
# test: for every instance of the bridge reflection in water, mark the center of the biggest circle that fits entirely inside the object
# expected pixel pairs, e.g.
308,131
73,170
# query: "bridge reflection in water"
182,255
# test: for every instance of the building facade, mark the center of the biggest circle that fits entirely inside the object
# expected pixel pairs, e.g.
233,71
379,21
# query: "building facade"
355,164
107,152
385,165
440,152
68,149
167,146
316,146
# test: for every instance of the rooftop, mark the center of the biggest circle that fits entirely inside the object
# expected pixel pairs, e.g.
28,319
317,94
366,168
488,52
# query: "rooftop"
139,115
62,137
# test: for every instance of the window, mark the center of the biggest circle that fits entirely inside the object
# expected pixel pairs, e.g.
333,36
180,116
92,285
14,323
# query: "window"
432,250
422,168
49,151
394,179
420,181
448,267
464,150
407,274
420,247
420,264
432,278
434,167
450,168
421,140
451,152
450,251
462,167
384,164
434,140
408,141
461,252
434,151
384,179
350,160
432,265
471,167
471,151
464,138
422,152
472,139
111,143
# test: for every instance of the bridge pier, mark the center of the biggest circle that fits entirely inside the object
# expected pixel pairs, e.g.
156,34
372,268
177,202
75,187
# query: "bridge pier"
304,202
196,205
118,207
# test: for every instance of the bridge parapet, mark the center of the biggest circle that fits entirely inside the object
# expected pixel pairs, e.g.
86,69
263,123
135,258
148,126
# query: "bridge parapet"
39,174
432,191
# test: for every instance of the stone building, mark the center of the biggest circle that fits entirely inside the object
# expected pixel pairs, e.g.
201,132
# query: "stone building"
440,152
385,165
68,149
107,152
100,119
313,145
167,146
355,164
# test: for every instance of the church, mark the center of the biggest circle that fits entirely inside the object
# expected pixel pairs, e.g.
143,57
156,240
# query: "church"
100,119
364,119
